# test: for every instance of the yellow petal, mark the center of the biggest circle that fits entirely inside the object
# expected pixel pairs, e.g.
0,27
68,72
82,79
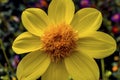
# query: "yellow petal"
97,45
26,42
61,11
86,20
33,65
82,67
35,20
56,71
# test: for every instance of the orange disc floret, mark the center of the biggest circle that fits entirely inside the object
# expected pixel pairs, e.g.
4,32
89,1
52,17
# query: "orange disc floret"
59,41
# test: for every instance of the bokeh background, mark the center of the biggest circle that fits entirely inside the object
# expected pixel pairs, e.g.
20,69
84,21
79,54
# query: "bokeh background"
11,26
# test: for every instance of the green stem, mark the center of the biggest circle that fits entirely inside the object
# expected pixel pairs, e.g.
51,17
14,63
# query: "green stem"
1,65
103,69
6,58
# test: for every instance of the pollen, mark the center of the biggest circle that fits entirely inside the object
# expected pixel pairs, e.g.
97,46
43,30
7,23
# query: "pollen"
59,41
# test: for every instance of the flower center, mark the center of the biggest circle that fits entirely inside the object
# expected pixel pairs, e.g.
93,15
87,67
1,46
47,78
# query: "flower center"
59,41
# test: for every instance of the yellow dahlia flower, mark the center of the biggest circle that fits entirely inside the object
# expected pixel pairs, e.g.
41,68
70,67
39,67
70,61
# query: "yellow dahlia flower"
61,44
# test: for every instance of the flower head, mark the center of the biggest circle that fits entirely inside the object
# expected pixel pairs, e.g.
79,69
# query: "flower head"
61,44
59,41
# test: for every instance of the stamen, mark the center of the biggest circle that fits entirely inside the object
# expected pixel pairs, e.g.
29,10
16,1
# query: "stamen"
59,41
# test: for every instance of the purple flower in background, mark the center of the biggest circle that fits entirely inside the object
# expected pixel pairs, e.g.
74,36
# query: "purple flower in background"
84,3
41,4
116,17
15,61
